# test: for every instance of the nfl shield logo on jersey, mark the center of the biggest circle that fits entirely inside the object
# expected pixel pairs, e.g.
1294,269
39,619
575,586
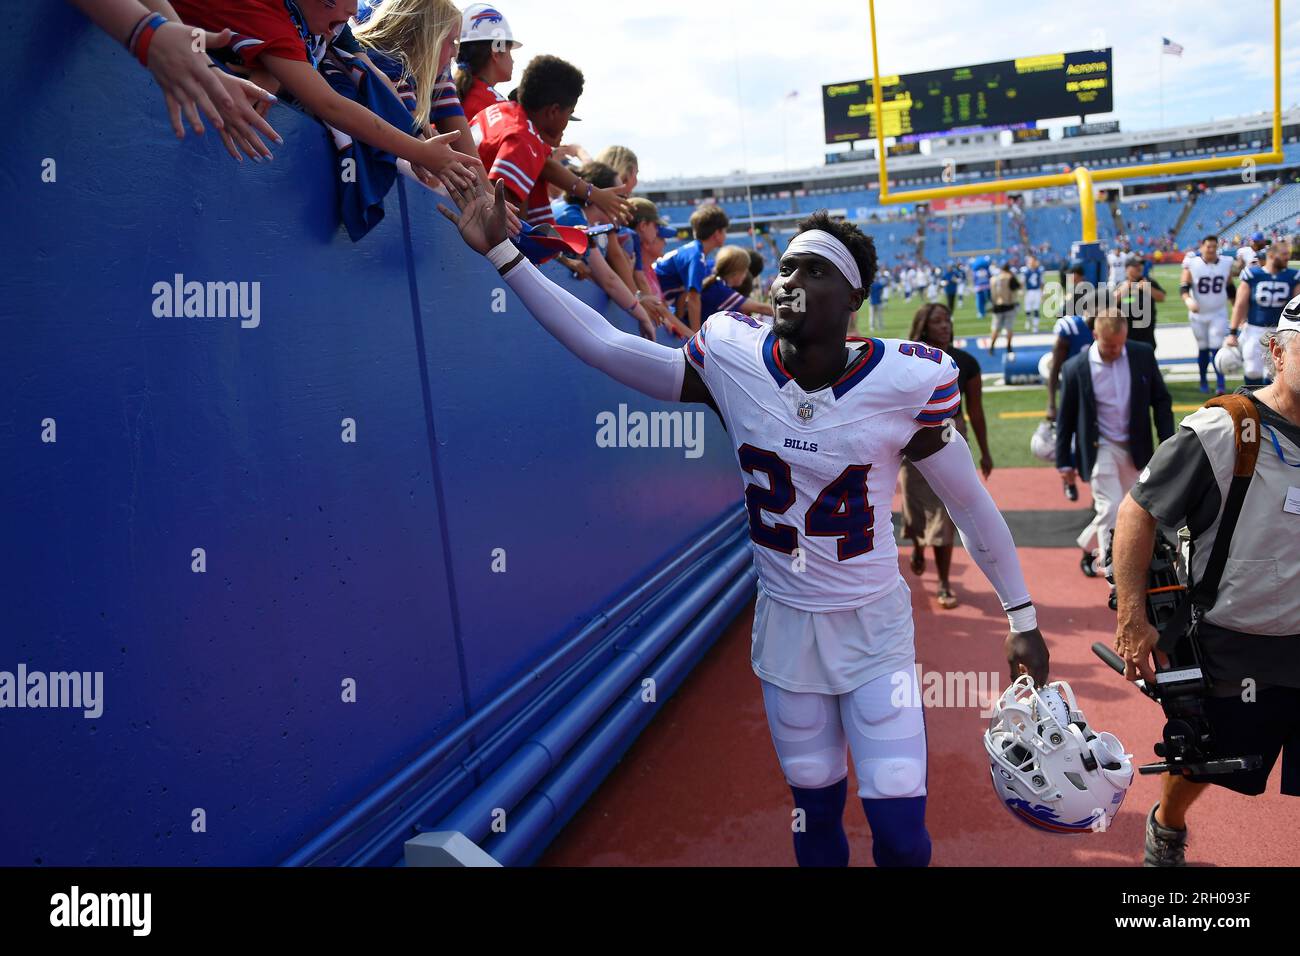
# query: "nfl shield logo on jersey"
805,410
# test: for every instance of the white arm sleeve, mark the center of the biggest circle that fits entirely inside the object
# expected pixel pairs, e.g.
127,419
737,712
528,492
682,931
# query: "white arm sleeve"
984,532
651,368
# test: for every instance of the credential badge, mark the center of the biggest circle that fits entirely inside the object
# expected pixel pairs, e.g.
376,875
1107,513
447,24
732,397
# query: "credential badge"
805,410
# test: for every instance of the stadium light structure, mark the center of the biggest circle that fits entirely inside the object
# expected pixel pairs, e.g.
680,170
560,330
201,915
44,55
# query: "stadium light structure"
1080,176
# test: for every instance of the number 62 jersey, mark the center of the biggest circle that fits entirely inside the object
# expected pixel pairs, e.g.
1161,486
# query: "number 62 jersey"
819,468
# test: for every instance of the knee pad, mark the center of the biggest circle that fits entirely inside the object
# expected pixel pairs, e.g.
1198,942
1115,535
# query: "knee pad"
886,732
814,771
886,778
807,735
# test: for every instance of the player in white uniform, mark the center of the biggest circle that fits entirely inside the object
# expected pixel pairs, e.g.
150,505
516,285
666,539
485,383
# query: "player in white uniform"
1205,285
1247,255
819,431
1116,259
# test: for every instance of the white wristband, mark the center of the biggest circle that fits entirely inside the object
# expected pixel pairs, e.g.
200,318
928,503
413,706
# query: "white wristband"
503,253
1022,620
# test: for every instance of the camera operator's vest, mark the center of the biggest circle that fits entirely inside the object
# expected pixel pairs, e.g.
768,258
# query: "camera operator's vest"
1260,589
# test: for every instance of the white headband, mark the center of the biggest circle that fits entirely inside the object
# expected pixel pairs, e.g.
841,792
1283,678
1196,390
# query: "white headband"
824,244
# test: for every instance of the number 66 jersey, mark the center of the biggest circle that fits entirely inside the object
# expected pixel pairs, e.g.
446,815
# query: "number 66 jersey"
819,468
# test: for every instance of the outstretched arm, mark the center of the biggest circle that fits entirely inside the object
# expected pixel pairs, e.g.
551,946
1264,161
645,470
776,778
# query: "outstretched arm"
648,367
943,458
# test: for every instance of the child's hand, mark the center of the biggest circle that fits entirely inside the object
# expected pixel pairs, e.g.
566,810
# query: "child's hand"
612,201
186,76
245,121
449,164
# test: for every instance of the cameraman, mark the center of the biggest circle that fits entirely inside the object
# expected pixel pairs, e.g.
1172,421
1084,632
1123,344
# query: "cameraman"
1250,638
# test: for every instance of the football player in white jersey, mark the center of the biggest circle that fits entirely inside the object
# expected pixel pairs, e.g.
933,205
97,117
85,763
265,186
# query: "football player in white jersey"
1116,260
819,431
1206,286
1248,254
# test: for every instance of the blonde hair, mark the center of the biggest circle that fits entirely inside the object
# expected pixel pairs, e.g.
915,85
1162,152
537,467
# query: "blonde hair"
620,157
1111,320
729,259
414,31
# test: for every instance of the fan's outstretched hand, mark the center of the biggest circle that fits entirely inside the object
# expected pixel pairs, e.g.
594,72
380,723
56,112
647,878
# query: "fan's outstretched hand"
482,219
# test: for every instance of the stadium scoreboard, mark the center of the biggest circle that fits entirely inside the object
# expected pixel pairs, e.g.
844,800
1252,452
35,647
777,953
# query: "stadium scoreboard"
992,95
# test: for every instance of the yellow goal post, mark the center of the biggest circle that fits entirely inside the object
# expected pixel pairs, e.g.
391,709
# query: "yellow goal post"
1080,176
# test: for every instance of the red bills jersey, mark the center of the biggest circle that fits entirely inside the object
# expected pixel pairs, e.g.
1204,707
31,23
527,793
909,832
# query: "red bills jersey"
513,152
819,468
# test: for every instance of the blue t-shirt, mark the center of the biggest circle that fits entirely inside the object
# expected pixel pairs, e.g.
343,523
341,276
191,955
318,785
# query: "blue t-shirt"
683,268
1074,330
1269,293
877,291
568,214
1033,277
950,276
717,296
980,272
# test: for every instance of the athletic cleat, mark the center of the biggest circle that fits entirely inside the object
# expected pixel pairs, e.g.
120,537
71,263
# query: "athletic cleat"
1165,846
1087,564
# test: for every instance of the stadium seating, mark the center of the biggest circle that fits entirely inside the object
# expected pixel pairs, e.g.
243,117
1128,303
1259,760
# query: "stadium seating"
1280,212
1215,211
1058,226
1151,217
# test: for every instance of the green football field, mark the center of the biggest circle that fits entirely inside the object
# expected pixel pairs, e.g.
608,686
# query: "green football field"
1012,414
899,312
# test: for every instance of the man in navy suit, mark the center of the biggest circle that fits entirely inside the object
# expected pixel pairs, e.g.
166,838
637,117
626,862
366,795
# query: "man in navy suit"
1109,393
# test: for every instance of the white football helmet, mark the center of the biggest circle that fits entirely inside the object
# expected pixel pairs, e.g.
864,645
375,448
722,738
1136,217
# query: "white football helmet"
1045,365
1228,360
1043,442
1049,768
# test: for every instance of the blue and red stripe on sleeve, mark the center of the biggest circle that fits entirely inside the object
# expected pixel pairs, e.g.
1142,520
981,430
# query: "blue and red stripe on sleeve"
695,350
942,405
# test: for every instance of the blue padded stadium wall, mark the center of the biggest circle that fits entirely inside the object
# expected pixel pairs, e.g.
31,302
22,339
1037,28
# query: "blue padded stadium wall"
326,560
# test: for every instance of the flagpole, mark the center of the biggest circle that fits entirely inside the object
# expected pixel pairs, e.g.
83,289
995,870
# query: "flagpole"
785,149
1162,84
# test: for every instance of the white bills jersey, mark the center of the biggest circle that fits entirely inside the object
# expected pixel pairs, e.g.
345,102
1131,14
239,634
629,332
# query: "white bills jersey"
1209,284
1247,256
1115,262
819,468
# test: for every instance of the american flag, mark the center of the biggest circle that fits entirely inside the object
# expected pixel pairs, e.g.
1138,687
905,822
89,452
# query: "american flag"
1169,46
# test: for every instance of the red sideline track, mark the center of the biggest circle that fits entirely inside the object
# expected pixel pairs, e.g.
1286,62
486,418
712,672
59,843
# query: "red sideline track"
701,786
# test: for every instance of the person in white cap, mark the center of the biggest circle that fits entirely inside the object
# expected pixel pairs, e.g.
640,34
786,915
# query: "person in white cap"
819,431
486,57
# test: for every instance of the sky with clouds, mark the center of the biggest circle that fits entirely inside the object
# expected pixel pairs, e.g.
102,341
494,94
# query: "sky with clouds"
701,88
